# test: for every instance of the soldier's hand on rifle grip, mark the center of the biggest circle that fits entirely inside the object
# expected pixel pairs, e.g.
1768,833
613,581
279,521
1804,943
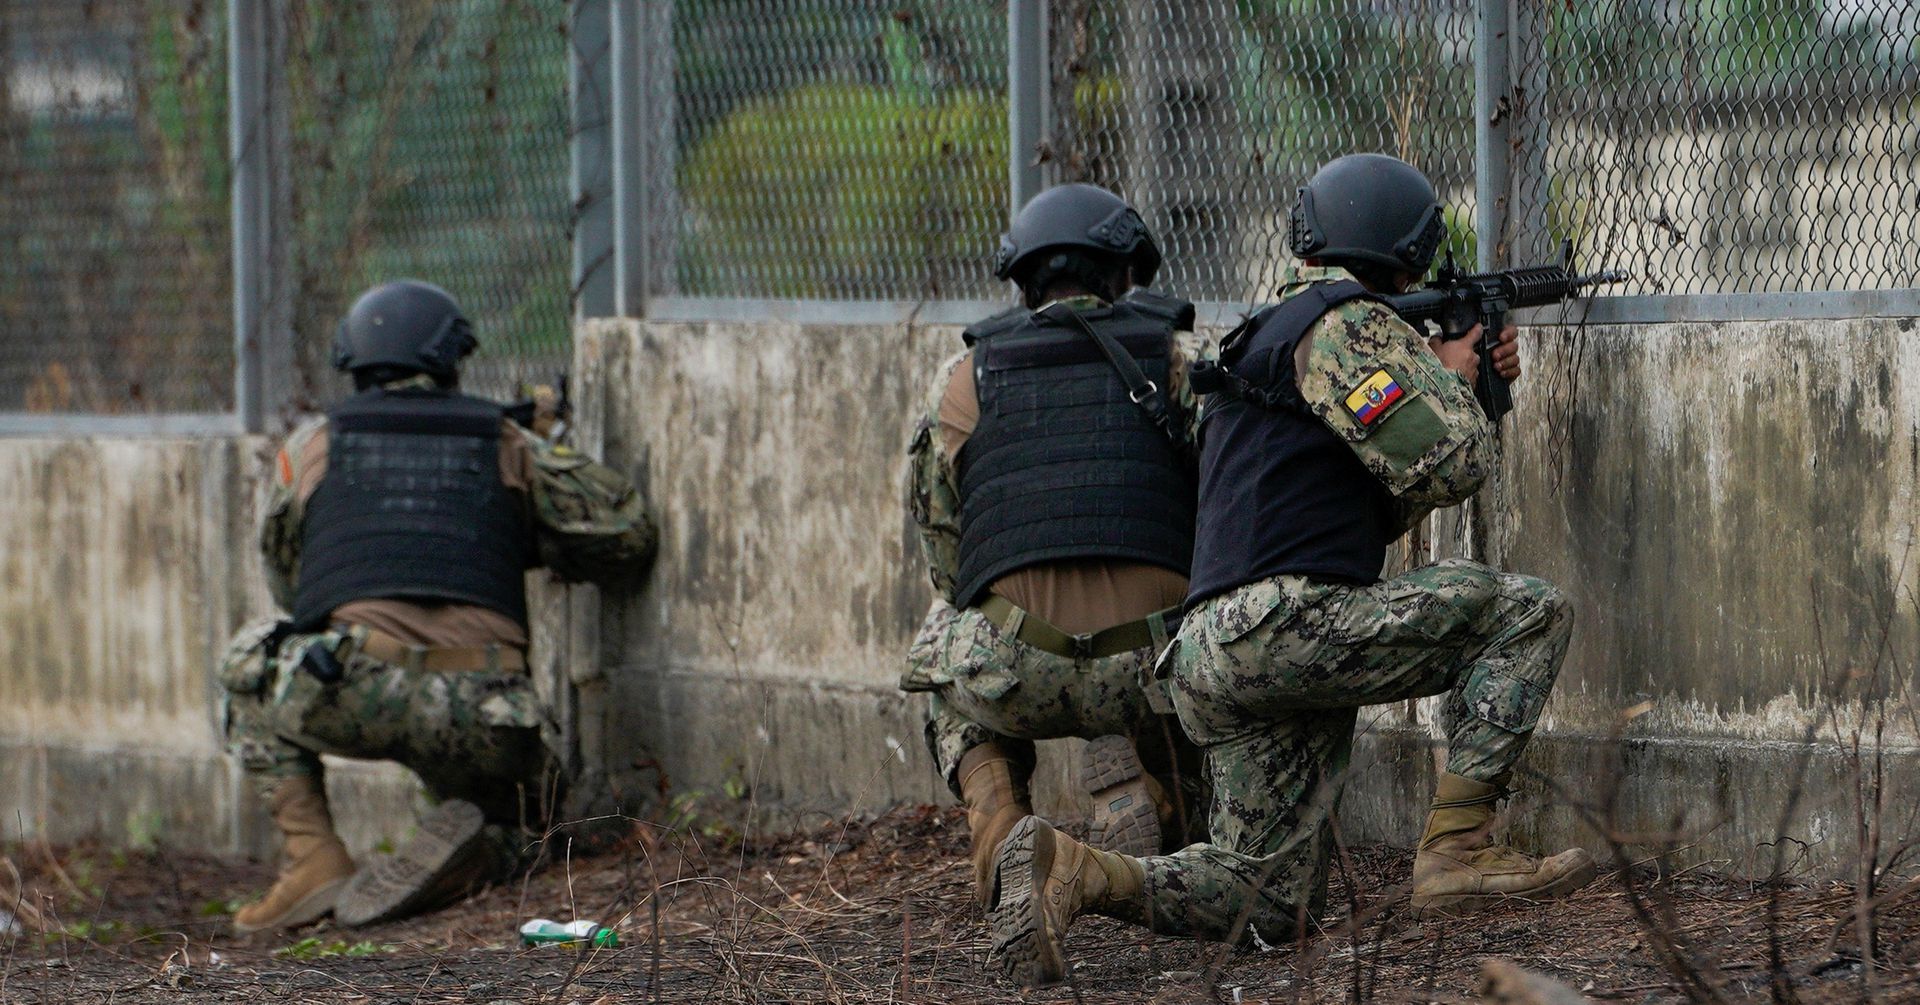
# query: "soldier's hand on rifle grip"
1461,355
1506,358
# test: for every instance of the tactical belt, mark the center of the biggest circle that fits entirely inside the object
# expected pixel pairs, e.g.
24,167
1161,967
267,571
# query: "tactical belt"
1152,630
440,659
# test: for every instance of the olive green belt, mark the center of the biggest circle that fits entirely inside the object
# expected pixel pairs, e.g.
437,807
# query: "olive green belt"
1152,630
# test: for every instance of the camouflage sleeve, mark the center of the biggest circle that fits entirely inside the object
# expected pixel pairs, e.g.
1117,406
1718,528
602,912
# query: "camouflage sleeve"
594,525
933,495
282,517
1414,423
1188,349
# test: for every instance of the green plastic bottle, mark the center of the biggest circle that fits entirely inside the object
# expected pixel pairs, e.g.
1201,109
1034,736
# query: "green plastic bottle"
541,932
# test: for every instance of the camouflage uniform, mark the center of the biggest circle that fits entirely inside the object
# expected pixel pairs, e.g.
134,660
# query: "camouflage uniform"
985,686
1269,677
482,736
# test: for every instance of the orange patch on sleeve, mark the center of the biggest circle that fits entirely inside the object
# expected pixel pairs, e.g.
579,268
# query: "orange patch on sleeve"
286,467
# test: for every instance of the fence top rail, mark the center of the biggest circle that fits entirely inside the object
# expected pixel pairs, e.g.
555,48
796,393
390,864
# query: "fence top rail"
1776,306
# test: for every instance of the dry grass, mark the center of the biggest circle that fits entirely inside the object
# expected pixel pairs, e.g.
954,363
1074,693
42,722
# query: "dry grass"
881,911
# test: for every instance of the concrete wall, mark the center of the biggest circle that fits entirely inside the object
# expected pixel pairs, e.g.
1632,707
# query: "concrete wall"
125,564
1729,506
1732,508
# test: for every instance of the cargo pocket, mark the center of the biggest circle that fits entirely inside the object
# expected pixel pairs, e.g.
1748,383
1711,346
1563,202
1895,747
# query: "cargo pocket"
1406,610
510,703
244,668
980,659
1503,698
1243,610
926,668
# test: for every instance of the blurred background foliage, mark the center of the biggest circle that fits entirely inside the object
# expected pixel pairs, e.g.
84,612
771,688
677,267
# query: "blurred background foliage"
855,149
430,140
840,148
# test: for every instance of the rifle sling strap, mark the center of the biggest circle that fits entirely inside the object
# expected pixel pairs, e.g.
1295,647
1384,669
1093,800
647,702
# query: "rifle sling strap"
1145,393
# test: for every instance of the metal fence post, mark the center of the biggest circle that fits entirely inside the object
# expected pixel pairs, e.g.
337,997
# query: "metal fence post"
1492,127
1026,97
630,149
259,146
590,96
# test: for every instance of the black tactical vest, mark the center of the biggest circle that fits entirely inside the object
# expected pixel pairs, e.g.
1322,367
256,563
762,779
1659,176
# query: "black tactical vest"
412,508
1064,464
1280,493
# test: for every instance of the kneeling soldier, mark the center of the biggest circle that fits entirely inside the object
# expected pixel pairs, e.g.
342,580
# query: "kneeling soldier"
1052,483
1335,425
398,532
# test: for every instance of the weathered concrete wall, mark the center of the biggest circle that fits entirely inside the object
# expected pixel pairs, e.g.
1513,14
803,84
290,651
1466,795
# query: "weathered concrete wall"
124,566
1731,508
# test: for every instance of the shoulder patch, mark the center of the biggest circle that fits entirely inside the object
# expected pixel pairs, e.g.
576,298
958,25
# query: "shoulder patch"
1374,398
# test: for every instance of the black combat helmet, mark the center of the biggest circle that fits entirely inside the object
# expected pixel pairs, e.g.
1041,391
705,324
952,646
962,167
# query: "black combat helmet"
1075,218
404,326
1369,208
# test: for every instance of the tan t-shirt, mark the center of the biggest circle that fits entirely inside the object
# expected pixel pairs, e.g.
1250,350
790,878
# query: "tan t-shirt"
1077,595
417,623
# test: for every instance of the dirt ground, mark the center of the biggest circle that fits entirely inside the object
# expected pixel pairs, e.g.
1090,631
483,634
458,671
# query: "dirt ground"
881,910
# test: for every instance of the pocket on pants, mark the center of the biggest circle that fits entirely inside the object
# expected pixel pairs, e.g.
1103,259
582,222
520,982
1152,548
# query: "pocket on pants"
980,659
1410,609
926,668
1505,699
244,668
510,703
1232,616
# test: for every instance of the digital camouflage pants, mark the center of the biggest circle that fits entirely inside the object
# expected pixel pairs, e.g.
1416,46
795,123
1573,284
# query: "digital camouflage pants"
1268,679
987,687
476,736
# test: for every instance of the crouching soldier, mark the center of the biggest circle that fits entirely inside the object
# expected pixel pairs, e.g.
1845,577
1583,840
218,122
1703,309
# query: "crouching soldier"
398,531
1051,479
1331,425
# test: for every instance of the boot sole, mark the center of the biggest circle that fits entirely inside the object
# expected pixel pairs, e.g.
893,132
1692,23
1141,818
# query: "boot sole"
305,911
1454,905
438,865
1124,817
1029,952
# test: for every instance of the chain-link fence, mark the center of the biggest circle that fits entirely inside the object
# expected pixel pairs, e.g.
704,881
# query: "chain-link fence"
429,140
850,150
1707,147
1209,114
114,255
1726,147
839,148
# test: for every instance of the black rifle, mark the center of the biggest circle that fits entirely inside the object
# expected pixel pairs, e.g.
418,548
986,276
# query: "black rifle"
1456,302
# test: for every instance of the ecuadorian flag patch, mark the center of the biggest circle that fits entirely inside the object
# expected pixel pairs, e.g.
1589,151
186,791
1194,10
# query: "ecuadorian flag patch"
1370,401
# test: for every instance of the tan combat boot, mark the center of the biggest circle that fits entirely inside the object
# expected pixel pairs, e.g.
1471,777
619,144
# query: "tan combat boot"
1042,880
315,866
1459,870
995,800
453,852
1130,809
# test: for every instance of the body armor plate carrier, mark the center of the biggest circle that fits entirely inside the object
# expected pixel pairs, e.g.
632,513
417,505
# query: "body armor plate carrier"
1066,462
1280,492
412,508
